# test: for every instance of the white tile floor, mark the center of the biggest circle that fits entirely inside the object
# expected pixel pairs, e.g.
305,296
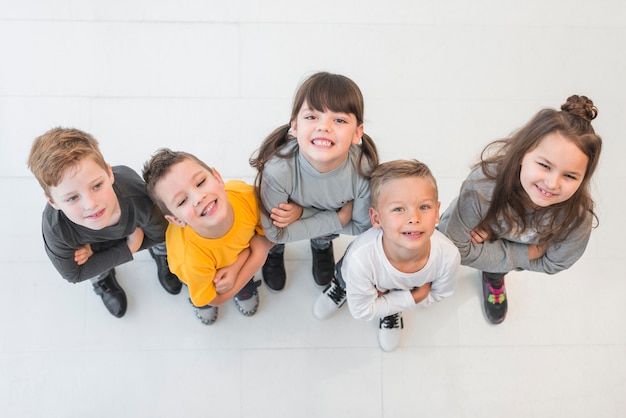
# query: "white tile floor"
440,80
560,353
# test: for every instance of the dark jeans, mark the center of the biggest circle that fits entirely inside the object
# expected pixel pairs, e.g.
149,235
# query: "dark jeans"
319,243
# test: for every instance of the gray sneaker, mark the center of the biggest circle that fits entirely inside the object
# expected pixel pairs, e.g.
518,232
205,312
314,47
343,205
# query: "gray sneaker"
206,314
247,300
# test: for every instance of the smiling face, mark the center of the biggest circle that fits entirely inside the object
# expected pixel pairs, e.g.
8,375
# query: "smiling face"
407,210
553,171
195,197
85,195
324,138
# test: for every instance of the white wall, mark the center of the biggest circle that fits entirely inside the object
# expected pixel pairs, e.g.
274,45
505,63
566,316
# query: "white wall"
440,78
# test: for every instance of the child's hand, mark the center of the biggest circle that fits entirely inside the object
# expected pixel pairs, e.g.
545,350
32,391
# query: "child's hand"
345,213
421,293
134,240
82,254
479,236
535,251
224,279
286,214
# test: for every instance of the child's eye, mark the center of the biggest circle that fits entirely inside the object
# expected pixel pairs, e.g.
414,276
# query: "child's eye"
339,120
571,177
180,203
425,207
72,198
201,182
397,209
97,186
543,165
309,117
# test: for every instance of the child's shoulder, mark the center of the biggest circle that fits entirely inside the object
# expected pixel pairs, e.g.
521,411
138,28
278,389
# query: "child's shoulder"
443,246
237,186
125,173
127,182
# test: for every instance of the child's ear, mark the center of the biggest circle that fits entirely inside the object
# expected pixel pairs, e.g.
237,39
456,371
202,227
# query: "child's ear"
358,134
375,218
174,220
217,176
110,171
438,211
51,202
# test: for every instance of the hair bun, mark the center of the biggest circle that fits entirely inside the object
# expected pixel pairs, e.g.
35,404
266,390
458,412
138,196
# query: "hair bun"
580,106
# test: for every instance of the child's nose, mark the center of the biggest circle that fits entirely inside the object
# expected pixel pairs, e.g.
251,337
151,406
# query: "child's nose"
414,217
323,125
198,198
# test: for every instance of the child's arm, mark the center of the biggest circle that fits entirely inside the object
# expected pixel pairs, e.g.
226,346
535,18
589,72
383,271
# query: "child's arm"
225,277
75,265
365,299
420,293
458,222
561,256
286,214
259,246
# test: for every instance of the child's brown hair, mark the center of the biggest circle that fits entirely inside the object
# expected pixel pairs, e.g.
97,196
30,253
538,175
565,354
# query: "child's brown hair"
58,150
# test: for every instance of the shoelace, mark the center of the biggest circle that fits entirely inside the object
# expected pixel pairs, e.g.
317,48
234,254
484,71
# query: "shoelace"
496,295
391,321
336,293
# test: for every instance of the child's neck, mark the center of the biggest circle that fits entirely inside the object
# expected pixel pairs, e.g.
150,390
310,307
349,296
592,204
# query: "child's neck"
406,261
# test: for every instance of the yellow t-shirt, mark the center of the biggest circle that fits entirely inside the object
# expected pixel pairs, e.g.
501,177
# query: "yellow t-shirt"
195,259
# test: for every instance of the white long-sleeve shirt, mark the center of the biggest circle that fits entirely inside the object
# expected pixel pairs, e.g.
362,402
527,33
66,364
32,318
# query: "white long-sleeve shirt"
366,271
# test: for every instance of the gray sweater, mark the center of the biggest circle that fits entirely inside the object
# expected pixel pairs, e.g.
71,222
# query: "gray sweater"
511,251
320,194
63,237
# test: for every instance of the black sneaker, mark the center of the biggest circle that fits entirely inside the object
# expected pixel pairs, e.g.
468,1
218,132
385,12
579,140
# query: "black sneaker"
168,280
247,300
495,301
274,271
112,294
323,265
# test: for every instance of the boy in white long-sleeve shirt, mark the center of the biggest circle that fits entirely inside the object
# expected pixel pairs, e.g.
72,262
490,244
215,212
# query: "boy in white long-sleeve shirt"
403,261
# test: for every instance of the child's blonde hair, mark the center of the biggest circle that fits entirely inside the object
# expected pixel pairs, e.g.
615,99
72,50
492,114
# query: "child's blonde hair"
398,169
58,150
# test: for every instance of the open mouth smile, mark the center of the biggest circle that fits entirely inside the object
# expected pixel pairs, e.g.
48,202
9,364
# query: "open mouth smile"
322,142
544,193
210,208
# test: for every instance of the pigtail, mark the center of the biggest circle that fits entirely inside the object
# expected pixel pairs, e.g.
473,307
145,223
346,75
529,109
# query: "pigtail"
369,151
271,147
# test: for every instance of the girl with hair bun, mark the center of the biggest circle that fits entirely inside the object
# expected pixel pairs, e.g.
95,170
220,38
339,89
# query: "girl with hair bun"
527,204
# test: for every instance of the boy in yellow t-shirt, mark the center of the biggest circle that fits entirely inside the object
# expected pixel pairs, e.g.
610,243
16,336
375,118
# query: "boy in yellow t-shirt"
215,240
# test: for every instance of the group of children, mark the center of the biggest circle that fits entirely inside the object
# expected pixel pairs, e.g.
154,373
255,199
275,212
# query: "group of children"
525,206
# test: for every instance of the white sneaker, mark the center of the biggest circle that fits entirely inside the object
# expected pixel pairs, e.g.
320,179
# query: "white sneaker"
329,301
390,331
206,314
